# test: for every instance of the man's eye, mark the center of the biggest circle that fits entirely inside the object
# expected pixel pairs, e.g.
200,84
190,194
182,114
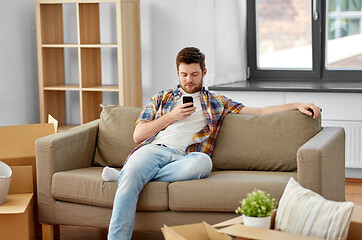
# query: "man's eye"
195,74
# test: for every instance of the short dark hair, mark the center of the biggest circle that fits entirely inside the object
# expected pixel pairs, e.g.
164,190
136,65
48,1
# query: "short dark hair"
190,55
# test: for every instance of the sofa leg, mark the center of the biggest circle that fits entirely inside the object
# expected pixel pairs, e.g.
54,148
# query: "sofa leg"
48,232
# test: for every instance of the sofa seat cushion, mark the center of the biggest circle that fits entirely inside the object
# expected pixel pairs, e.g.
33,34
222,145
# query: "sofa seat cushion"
86,186
222,190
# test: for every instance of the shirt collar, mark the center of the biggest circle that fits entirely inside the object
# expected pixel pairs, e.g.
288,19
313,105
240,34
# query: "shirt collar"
177,91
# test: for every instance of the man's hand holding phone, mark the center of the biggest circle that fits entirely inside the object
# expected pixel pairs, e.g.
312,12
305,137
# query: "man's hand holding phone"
188,106
184,110
188,102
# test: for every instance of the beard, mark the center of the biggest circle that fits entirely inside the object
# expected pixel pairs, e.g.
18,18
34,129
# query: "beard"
192,88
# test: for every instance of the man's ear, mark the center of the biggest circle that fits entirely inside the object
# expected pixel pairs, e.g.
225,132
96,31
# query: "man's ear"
204,72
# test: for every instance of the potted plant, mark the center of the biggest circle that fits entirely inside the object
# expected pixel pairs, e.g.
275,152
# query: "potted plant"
256,209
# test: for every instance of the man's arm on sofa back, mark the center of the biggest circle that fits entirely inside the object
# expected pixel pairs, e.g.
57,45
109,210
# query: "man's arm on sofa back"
321,163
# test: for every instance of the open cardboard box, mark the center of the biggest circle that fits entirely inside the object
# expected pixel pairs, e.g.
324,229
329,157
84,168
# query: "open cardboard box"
199,231
16,214
235,228
17,144
232,227
242,232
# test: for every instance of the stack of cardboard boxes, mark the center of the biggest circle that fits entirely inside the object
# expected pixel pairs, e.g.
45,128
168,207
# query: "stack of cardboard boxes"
18,215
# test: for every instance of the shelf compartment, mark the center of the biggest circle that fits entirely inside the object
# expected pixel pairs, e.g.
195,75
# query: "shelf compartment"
53,66
91,108
64,106
60,67
58,23
99,68
51,23
89,23
54,104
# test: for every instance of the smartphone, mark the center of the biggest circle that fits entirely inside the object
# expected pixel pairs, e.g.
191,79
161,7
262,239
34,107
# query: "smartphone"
187,99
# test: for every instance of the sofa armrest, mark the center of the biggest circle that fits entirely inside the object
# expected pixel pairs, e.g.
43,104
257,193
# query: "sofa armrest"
70,149
321,163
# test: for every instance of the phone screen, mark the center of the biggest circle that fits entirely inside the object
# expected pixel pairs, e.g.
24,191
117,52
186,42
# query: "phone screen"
187,99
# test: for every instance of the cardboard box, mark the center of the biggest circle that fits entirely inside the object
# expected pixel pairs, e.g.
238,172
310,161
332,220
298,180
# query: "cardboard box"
17,148
355,229
16,214
199,231
17,144
242,232
235,228
232,227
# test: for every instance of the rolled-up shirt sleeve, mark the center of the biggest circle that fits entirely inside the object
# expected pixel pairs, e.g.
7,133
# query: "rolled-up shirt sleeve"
149,111
234,106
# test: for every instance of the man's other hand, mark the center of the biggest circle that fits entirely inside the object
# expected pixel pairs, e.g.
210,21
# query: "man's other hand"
309,109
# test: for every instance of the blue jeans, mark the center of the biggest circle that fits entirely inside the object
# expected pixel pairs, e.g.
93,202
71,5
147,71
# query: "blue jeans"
151,163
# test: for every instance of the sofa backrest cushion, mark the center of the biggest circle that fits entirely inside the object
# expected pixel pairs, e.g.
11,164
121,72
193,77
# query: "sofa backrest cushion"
115,135
266,143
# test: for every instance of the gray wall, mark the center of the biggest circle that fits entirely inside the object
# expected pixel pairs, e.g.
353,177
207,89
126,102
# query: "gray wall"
18,63
167,26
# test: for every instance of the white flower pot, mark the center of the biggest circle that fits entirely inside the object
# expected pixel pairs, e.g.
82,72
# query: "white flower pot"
261,222
5,178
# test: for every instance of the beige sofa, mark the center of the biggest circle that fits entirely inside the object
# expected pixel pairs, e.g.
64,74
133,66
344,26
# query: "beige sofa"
251,152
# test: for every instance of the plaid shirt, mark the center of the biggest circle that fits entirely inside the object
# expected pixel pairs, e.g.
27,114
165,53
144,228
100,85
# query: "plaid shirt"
214,106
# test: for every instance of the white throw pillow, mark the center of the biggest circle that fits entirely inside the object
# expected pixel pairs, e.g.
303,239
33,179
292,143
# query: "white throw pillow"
302,211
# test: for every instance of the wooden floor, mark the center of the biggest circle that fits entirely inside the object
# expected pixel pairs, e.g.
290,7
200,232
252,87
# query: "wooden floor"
353,193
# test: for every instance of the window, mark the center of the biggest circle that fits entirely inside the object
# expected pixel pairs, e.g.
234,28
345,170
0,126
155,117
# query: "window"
305,40
344,29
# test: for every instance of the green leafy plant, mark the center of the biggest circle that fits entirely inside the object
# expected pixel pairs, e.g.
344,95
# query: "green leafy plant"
256,204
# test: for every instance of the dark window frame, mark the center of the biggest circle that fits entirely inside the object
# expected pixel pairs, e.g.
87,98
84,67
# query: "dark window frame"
318,72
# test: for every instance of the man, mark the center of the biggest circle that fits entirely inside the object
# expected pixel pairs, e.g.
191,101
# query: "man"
176,139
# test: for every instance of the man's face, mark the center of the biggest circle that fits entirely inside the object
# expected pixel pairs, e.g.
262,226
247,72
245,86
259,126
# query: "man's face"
190,77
